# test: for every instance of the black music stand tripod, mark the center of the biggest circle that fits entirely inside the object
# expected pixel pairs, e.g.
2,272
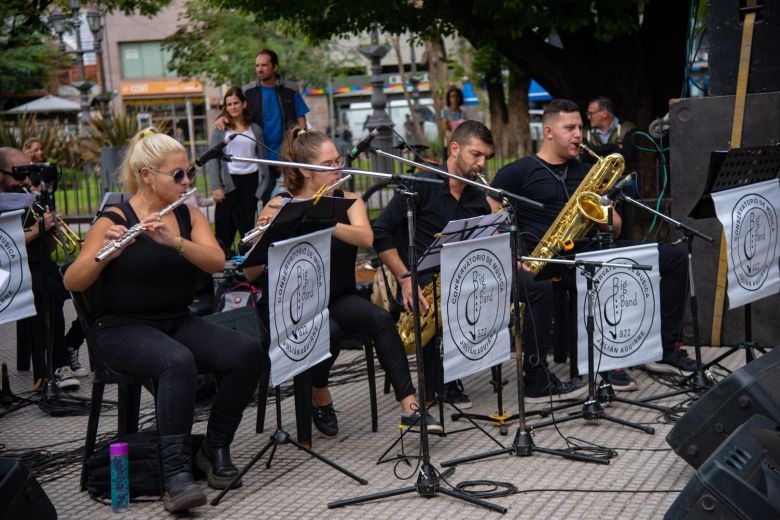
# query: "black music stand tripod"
738,167
523,444
592,410
428,482
294,219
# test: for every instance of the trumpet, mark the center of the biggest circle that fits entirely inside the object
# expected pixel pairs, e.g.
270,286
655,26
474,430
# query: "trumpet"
257,232
118,244
64,237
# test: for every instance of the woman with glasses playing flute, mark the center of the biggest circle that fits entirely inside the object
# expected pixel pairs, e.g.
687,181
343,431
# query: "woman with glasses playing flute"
350,313
144,326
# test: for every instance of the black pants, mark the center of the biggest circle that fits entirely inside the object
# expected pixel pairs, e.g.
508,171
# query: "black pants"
49,295
537,319
168,351
237,211
353,314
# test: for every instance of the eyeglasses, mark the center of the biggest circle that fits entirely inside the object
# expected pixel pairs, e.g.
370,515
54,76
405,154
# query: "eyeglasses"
594,112
335,163
179,173
17,173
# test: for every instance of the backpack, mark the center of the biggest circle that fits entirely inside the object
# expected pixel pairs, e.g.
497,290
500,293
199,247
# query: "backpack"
143,462
235,292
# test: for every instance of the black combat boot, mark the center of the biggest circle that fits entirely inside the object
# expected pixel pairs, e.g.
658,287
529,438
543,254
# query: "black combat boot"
214,455
181,493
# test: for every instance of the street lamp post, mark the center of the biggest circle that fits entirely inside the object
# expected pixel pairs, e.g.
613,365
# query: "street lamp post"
379,119
95,21
59,23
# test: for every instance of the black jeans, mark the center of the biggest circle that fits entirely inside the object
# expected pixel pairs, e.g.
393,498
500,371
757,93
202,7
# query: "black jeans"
537,319
237,211
353,314
49,295
168,351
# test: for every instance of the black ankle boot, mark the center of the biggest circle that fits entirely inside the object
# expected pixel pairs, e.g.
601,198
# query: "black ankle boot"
213,458
181,493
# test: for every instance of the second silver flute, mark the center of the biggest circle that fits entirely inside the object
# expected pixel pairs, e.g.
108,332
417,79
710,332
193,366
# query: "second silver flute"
252,234
114,246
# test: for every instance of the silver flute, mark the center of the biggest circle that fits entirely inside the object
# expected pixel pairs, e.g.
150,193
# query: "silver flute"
114,246
258,231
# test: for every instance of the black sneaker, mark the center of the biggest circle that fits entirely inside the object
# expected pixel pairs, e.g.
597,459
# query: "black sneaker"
675,362
620,380
75,364
325,420
554,388
432,424
453,392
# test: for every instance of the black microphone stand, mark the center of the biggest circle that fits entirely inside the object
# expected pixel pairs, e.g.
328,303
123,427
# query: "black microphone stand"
428,480
523,444
592,410
700,380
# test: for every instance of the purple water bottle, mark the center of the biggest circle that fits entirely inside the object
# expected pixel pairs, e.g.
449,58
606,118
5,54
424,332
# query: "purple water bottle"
120,479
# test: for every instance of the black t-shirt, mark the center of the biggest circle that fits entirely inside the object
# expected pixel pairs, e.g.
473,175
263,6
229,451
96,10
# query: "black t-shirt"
147,280
550,184
434,206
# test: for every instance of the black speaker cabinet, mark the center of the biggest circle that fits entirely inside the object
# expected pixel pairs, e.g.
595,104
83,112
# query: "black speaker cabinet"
725,36
21,497
739,481
699,126
753,389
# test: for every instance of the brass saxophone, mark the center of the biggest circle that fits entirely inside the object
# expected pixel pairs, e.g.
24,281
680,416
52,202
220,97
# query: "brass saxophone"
405,323
583,208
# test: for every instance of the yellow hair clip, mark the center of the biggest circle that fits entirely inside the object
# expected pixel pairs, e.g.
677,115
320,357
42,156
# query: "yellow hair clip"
148,132
300,132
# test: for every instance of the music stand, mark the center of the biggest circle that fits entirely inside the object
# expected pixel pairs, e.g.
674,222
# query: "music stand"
294,218
735,168
523,444
591,407
430,260
428,482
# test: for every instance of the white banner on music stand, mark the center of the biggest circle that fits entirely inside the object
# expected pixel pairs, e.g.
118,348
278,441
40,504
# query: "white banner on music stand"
16,296
627,311
299,290
476,283
749,217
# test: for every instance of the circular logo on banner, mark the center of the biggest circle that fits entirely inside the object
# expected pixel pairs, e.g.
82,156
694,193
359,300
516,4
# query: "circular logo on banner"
476,303
753,240
624,310
9,261
300,293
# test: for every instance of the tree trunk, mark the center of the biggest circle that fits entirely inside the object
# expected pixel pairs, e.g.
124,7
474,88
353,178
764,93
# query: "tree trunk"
437,76
498,110
518,129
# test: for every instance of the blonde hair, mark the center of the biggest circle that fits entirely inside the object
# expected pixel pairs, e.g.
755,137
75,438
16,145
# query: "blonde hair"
148,148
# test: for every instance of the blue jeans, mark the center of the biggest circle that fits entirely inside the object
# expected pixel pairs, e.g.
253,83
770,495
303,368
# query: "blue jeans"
168,351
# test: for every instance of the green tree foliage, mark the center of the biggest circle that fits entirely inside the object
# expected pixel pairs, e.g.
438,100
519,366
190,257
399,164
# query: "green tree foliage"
28,54
221,44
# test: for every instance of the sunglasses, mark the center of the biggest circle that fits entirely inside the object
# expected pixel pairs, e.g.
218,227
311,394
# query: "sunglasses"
18,173
179,173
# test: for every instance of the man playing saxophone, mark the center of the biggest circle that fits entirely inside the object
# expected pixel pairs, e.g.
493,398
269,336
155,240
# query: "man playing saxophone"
470,147
551,177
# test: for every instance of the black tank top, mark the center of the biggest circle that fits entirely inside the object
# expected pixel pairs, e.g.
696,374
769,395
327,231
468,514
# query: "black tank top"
342,260
147,280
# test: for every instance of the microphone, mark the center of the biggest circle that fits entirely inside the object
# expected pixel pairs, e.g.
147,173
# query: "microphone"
363,145
215,151
610,195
